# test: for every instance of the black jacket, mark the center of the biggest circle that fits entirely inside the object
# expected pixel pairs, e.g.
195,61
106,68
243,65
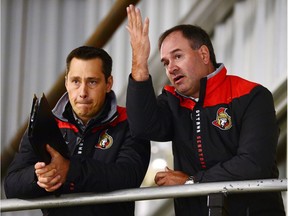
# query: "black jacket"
104,157
230,134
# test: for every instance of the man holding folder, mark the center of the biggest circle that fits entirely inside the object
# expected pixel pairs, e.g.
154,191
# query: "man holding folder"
103,156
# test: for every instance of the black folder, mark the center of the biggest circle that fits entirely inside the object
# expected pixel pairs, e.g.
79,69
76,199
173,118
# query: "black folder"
43,129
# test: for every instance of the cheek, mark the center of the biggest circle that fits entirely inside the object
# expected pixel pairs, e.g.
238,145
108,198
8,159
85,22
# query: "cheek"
72,94
168,74
97,95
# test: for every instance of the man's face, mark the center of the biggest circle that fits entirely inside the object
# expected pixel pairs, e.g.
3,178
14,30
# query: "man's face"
184,66
86,87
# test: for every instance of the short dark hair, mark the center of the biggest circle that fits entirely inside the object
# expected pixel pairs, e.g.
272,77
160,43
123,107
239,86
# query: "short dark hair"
196,35
89,52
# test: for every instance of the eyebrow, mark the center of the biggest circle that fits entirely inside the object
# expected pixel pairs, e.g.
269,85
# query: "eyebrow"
172,52
87,78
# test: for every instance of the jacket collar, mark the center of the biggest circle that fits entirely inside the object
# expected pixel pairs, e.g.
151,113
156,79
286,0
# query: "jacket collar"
211,82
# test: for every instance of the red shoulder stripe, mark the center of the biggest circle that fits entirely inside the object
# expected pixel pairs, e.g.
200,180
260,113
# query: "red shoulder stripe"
122,116
184,102
67,125
231,88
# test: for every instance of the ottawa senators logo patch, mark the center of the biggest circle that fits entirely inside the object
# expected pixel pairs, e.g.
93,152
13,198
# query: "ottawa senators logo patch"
223,120
105,141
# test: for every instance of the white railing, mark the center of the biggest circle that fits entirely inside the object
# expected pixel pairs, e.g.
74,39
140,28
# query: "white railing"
145,193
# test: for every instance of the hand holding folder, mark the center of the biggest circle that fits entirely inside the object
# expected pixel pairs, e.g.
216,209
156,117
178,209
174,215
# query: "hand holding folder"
43,129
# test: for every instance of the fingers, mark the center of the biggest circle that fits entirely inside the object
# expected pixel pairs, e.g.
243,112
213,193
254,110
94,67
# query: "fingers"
130,15
170,177
51,185
53,188
146,27
167,169
39,165
162,178
138,18
45,172
48,179
159,178
132,19
41,168
135,20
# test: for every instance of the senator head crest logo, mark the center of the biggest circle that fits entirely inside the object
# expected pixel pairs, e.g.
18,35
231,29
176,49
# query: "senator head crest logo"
223,120
105,141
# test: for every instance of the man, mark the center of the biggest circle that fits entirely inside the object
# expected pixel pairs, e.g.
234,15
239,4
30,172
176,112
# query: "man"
103,155
222,128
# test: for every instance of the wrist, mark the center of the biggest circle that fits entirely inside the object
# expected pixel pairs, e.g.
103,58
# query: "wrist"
140,72
140,77
190,180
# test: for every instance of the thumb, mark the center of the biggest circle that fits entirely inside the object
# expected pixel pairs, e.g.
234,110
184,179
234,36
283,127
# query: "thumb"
51,150
167,169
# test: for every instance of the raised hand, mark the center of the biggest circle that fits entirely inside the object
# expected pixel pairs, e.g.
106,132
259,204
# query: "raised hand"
140,44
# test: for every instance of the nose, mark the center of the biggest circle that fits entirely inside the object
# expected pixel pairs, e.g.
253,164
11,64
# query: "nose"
83,91
172,67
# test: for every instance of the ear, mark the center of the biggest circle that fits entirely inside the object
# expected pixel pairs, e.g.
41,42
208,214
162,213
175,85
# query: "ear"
66,80
109,84
204,54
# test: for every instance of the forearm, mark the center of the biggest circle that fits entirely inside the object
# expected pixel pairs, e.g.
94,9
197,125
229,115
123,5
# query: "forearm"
139,71
126,170
21,181
22,184
89,175
147,119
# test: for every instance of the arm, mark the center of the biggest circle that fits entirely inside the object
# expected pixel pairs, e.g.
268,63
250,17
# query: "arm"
86,174
21,180
148,118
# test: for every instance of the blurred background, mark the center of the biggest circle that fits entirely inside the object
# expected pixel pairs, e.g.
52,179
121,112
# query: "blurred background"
249,37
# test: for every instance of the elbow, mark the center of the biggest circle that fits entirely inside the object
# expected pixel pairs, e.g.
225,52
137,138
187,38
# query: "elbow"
8,189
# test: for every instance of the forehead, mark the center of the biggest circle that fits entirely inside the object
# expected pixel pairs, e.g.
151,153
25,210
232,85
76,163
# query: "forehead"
173,42
85,66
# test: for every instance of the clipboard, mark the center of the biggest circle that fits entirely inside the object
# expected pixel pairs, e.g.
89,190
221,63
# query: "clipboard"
43,129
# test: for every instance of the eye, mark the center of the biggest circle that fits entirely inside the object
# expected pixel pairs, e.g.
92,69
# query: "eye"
165,64
178,56
75,81
92,83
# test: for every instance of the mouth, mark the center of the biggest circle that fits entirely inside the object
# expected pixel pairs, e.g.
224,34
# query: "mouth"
178,79
83,103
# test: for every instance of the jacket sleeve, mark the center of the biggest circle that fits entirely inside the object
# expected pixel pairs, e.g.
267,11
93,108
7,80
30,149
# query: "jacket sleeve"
258,135
127,171
144,115
21,181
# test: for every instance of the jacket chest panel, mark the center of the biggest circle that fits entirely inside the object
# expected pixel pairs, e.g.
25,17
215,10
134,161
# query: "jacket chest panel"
101,144
208,134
